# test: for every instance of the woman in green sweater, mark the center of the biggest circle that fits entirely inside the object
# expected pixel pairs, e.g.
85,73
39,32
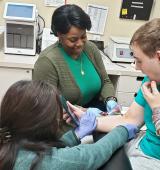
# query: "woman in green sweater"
73,64
30,120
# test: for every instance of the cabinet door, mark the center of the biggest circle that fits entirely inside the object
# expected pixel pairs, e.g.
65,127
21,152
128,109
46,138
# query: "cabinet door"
128,84
125,99
8,76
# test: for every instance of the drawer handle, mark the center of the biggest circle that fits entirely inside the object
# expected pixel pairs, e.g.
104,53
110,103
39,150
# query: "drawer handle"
139,78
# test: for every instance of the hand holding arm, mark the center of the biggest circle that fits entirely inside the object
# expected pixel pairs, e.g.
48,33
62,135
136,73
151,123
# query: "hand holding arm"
79,111
87,120
87,125
76,110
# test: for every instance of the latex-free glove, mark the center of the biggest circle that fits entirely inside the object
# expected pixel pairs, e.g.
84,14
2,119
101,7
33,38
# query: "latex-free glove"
95,111
112,107
132,130
87,124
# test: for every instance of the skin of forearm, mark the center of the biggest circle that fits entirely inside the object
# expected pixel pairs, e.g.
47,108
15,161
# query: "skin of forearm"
107,123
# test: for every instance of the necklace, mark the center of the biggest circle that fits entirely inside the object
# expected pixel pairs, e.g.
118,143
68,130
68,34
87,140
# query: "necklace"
82,71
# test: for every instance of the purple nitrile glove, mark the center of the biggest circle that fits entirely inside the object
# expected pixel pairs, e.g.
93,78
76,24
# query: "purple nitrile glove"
87,124
132,130
112,107
95,111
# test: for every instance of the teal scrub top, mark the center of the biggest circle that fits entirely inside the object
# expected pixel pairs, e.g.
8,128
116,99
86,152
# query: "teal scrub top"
89,82
150,143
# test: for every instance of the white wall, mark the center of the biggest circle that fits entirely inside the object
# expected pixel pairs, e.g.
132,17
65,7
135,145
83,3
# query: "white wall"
114,25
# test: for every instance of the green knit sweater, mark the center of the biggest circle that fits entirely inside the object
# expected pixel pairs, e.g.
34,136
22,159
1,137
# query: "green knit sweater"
52,67
81,157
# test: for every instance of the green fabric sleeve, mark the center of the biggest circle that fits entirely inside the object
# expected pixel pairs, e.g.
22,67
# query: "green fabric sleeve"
83,156
92,156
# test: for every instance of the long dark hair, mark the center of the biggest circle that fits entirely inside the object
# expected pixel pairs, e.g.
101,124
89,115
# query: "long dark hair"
69,15
31,112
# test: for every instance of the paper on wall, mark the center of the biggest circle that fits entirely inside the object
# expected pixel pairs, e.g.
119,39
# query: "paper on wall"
54,2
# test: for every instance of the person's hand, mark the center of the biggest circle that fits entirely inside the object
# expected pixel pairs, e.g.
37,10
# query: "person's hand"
132,130
87,125
76,110
112,107
151,94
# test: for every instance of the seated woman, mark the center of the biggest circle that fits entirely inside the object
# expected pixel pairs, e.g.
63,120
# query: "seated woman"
30,121
73,64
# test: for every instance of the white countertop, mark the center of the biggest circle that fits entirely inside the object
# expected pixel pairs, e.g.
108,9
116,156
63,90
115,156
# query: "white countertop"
17,61
21,61
120,68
